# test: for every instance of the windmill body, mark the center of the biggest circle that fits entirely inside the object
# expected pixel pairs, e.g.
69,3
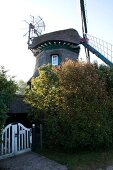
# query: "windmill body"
55,47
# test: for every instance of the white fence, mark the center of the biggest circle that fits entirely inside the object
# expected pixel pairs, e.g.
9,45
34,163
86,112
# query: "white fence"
16,139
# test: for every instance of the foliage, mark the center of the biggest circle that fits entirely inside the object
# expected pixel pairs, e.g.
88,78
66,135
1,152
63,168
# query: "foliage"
21,87
84,117
106,74
44,93
75,103
7,88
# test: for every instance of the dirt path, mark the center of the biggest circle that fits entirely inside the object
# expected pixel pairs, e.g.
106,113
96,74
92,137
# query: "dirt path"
30,161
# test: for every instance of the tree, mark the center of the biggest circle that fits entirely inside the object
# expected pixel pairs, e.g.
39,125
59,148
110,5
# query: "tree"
21,87
85,106
106,74
44,93
76,105
8,87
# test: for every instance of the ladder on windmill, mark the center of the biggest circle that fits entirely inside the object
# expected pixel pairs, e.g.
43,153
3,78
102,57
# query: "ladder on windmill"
100,48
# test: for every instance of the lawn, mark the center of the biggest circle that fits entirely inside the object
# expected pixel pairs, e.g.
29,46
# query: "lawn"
82,161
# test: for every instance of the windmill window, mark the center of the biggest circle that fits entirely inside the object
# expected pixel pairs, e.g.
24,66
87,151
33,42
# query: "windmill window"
55,60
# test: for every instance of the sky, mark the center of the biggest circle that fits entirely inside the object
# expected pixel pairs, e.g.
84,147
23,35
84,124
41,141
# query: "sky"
57,15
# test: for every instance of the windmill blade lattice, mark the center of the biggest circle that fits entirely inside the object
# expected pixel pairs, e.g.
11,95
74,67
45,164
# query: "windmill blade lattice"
35,28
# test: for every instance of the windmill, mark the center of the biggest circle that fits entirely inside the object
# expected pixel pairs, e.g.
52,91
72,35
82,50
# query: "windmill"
100,48
35,28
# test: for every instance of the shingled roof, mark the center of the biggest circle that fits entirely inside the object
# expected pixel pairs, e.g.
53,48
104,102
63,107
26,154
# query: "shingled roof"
18,105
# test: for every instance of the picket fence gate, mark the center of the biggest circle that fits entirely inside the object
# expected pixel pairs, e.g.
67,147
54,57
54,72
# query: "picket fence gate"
16,139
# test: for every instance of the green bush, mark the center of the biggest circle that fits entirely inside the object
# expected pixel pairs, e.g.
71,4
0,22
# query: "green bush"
76,105
83,120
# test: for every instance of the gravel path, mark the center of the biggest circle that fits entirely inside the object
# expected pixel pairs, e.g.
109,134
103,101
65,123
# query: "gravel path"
30,161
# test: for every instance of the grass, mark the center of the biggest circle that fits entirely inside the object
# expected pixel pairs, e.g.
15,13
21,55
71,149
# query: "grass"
81,161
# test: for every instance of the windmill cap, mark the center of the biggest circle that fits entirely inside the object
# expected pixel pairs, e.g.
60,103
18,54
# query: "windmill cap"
67,35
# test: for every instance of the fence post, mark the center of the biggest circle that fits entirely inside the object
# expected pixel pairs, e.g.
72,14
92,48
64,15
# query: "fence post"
15,138
33,137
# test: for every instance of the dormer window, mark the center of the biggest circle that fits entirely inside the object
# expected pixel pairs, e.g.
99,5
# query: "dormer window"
55,60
